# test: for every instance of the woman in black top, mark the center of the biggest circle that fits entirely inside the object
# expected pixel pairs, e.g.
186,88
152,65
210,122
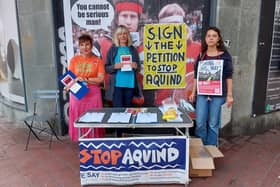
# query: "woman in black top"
210,99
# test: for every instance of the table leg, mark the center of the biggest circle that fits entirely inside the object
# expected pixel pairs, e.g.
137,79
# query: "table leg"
79,132
188,150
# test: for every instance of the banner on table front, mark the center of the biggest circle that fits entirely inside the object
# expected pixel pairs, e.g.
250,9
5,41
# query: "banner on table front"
209,77
125,161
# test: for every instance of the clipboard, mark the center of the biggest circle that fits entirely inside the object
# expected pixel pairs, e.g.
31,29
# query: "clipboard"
78,89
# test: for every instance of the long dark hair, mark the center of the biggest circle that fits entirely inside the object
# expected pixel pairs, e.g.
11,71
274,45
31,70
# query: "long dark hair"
220,46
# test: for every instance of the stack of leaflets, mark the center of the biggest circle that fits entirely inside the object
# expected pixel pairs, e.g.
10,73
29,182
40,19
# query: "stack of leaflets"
146,117
119,117
92,117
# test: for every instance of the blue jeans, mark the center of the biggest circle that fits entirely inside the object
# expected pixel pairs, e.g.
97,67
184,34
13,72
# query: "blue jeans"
208,118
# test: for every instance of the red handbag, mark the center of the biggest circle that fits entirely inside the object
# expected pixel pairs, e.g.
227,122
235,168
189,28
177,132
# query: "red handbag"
138,100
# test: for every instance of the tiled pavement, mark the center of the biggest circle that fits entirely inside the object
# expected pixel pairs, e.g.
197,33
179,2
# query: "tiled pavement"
250,161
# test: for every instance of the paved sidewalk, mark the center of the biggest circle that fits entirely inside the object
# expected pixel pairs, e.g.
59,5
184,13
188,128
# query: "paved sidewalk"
250,161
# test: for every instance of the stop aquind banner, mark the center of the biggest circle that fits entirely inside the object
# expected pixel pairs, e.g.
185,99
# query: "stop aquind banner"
128,161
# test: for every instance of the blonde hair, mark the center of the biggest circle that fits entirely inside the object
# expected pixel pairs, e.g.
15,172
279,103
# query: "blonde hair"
173,13
122,29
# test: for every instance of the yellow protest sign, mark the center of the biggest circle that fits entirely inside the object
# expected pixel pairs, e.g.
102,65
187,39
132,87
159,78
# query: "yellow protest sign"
164,56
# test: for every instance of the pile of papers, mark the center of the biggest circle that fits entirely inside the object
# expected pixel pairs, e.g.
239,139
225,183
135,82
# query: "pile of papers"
92,117
146,117
119,117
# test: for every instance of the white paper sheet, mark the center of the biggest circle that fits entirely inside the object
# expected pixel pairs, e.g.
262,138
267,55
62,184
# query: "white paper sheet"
126,67
126,60
75,87
120,117
146,117
92,117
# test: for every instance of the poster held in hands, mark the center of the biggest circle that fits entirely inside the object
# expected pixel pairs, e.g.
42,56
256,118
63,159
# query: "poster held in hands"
209,77
126,60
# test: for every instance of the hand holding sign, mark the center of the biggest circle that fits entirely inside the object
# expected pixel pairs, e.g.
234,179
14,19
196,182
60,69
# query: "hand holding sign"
126,61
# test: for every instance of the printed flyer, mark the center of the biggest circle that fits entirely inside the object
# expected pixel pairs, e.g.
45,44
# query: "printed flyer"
209,77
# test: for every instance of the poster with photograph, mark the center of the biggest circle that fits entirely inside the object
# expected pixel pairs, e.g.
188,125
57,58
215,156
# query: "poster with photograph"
209,77
99,18
11,74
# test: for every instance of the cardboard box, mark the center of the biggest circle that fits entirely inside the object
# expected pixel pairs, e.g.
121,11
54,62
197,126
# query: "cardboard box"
202,158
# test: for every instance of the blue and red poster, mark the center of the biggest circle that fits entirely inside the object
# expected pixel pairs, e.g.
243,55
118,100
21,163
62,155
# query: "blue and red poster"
75,87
